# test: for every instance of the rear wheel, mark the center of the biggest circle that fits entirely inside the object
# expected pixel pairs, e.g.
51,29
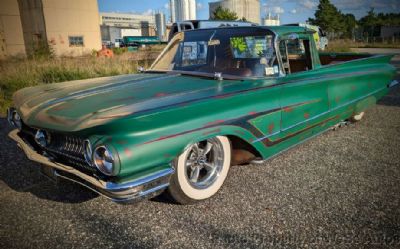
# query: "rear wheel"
200,170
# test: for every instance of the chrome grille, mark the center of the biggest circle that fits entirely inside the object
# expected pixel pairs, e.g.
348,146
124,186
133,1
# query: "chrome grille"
69,149
64,149
67,144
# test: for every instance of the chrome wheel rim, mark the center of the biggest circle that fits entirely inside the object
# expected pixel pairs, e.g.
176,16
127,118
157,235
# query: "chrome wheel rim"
204,163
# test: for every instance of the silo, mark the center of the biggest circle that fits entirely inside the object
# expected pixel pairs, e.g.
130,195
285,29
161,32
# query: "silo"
161,26
192,10
172,8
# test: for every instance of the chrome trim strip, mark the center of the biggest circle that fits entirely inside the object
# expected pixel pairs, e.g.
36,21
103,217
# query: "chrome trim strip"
136,189
393,83
121,186
296,144
317,116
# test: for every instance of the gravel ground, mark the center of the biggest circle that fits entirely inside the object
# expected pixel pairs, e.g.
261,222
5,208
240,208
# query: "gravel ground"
338,190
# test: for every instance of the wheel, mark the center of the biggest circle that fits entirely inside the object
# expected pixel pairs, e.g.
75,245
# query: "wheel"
357,117
200,170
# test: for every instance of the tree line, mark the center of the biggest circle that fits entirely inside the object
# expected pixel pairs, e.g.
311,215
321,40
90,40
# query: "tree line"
341,25
333,21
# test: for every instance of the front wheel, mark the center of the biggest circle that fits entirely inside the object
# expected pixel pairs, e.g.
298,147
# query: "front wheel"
200,170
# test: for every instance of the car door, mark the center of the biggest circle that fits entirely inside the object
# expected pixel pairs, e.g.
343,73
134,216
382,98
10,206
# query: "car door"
304,95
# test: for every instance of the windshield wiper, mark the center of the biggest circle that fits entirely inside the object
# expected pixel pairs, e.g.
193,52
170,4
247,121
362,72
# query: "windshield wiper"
215,75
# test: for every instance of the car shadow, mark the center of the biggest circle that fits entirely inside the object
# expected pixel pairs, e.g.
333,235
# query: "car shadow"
392,98
23,175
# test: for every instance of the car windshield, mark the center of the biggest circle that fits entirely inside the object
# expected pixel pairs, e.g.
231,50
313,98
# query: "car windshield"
236,52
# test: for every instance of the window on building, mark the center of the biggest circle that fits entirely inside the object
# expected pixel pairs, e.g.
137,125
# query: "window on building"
75,41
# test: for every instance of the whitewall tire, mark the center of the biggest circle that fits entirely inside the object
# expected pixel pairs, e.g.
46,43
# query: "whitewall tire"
200,170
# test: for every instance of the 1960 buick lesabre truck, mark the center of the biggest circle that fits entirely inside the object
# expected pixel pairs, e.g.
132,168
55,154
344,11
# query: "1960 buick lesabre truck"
213,98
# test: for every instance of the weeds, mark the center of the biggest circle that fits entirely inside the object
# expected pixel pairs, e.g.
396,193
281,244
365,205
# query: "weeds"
16,74
345,45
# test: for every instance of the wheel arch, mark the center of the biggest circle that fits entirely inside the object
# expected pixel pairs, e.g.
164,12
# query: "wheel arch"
240,139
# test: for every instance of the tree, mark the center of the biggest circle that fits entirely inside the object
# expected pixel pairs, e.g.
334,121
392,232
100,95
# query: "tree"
350,23
328,17
223,14
370,22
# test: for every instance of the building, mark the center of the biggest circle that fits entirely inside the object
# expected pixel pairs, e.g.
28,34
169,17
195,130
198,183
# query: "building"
69,27
388,32
270,20
117,25
182,10
11,33
161,26
248,9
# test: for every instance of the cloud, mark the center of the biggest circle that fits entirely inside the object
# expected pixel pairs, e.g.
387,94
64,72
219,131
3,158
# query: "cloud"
293,11
148,12
278,10
166,6
308,4
200,6
350,5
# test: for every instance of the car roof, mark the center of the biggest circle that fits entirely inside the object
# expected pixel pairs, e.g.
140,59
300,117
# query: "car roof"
279,30
282,30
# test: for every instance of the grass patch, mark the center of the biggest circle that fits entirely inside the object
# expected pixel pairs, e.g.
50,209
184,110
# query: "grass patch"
16,74
340,46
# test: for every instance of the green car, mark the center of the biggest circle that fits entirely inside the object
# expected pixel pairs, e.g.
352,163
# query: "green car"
213,98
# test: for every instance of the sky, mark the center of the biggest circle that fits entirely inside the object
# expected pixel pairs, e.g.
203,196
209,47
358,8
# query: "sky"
290,11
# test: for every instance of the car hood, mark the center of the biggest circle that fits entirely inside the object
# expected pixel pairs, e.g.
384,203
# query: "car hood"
77,105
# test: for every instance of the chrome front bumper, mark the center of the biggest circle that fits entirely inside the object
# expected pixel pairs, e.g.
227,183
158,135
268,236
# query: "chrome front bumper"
129,191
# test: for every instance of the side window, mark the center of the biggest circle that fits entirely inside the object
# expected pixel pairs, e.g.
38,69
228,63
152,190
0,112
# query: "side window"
296,55
192,53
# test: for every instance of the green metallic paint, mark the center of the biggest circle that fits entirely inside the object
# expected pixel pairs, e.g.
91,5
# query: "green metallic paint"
152,118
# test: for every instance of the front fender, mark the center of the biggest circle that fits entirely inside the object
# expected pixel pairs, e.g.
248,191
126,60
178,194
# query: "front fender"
139,157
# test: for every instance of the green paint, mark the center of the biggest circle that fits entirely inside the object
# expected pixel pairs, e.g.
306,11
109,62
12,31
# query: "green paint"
160,114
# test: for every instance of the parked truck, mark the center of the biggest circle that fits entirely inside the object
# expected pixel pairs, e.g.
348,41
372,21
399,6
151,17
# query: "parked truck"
213,98
319,35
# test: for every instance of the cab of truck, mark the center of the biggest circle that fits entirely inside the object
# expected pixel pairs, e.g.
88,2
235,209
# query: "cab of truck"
204,24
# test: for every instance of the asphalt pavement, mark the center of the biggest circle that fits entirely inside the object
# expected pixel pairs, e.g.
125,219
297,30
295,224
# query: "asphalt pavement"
338,190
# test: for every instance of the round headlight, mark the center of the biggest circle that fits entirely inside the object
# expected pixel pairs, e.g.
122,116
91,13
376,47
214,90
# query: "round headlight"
104,160
16,120
88,152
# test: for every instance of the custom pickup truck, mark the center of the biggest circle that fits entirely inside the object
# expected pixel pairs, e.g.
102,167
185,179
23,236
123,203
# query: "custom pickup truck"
213,98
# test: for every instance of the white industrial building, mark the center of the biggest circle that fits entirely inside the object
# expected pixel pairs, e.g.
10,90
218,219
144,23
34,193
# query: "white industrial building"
117,25
248,9
182,10
271,20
